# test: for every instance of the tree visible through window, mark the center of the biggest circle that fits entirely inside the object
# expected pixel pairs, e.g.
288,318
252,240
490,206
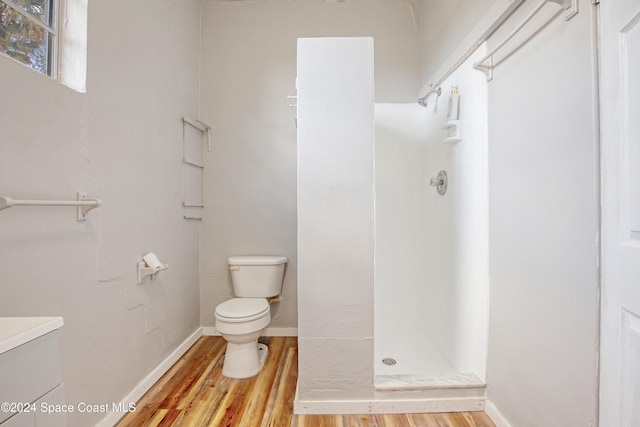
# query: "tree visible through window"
27,32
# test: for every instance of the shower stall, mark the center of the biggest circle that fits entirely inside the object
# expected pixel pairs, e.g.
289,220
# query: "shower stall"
392,269
431,251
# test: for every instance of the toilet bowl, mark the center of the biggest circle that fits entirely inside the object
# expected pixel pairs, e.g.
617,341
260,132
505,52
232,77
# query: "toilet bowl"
242,320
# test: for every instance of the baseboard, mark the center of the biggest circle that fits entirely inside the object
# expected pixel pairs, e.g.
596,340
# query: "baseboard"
403,406
209,331
496,416
143,386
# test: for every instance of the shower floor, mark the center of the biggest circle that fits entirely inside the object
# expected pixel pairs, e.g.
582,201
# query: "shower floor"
419,364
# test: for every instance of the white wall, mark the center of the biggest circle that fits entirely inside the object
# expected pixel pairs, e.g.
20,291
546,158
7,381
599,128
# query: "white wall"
402,240
335,218
248,69
543,222
543,230
445,25
432,250
456,306
121,142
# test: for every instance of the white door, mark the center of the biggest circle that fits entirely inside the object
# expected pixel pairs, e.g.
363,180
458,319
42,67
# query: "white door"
620,112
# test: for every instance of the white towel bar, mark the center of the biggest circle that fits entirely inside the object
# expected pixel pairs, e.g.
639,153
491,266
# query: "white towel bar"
201,126
486,63
84,205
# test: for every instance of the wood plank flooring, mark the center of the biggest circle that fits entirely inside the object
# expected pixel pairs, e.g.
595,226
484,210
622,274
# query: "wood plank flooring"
193,393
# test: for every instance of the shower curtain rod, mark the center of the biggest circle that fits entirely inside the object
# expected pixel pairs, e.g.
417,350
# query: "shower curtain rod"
571,6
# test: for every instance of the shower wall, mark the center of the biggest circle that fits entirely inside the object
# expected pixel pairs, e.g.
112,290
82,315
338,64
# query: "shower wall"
457,286
431,274
401,230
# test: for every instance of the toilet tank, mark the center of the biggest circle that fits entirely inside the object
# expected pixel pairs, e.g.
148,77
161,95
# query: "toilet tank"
257,276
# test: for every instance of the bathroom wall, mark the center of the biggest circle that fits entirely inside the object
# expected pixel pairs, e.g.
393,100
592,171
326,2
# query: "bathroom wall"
248,69
543,189
431,250
456,307
544,222
438,287
445,25
120,142
402,240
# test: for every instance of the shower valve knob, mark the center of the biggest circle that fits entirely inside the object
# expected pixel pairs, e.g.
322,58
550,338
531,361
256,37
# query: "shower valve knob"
440,182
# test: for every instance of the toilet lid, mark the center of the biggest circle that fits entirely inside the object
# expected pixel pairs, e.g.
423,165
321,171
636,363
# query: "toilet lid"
242,309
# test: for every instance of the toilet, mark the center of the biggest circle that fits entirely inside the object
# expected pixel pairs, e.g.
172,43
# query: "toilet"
242,320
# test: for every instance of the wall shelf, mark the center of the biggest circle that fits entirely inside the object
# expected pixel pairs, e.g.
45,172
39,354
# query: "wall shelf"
453,126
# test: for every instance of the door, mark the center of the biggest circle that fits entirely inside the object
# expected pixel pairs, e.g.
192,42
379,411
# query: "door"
620,113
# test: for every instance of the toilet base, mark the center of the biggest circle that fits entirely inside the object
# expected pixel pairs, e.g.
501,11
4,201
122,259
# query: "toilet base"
244,360
263,352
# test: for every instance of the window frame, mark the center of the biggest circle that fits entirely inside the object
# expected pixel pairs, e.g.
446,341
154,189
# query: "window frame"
54,46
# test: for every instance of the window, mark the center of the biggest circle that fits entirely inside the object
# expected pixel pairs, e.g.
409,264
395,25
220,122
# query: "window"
28,33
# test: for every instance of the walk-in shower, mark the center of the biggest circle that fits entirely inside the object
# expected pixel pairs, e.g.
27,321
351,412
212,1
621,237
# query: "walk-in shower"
431,265
392,270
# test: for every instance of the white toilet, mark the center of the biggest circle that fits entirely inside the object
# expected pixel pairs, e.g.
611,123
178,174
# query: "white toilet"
242,320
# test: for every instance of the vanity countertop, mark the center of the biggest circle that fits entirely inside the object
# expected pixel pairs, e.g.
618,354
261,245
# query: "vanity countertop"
15,331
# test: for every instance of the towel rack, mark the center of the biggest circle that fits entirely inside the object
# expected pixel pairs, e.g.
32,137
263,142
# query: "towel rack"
193,170
485,64
201,126
486,33
83,204
570,6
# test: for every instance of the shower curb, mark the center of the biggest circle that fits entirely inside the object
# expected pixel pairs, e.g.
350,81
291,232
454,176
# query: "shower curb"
400,406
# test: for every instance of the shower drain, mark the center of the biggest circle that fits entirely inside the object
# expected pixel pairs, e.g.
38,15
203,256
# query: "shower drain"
389,361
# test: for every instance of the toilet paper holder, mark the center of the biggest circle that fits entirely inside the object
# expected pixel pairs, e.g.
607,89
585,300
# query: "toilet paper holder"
150,266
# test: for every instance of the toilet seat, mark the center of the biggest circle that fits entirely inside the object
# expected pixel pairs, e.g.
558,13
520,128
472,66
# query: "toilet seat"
238,310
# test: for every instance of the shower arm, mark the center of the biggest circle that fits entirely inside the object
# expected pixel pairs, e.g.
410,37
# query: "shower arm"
423,101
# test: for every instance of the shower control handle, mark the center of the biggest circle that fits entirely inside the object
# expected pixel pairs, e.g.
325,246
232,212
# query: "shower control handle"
440,182
435,181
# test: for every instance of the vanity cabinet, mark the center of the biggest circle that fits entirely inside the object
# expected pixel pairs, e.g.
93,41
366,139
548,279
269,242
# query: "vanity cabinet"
30,375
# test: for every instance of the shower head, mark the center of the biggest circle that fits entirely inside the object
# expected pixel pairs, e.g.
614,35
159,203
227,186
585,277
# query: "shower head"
423,101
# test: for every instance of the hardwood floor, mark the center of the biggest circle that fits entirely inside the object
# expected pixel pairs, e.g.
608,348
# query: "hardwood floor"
193,393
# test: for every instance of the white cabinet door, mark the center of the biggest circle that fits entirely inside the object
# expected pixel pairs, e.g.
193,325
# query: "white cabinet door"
52,417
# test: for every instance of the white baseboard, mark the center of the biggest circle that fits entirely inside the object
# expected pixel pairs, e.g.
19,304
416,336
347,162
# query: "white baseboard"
496,416
209,331
404,406
143,386
281,332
